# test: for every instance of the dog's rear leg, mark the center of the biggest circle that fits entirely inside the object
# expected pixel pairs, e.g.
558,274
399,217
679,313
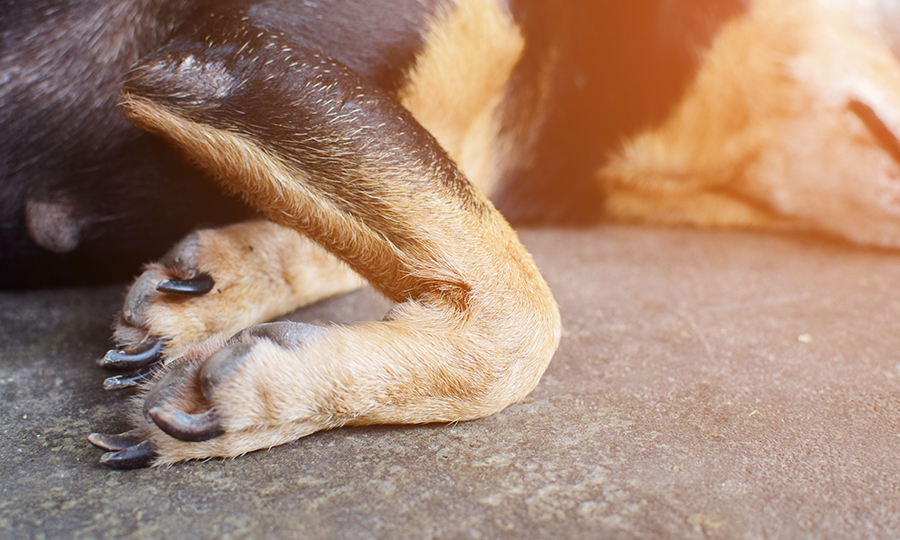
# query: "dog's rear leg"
319,150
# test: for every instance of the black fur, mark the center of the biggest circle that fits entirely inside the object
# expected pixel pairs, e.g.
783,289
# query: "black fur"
118,197
239,73
63,141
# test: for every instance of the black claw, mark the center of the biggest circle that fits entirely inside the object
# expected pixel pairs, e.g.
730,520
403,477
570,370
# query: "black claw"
134,457
188,427
114,443
195,286
120,382
141,355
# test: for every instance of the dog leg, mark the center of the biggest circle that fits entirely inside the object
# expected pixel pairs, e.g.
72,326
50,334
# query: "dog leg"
220,281
454,89
319,150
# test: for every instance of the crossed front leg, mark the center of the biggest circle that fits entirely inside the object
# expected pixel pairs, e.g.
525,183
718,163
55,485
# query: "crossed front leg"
338,160
218,282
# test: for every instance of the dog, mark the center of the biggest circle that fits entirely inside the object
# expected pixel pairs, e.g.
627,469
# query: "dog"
353,142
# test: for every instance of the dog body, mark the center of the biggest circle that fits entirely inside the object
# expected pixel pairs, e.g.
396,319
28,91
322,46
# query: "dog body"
81,184
366,133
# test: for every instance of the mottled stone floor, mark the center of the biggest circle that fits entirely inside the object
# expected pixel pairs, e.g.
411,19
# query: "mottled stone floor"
708,385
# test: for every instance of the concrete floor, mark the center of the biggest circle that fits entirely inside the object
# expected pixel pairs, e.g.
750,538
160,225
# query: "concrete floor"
709,385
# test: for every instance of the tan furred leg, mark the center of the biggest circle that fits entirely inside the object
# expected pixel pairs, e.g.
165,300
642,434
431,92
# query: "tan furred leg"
454,90
475,324
261,270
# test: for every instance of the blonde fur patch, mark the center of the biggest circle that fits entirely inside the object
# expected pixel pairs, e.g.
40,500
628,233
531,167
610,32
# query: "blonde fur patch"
458,83
766,137
689,170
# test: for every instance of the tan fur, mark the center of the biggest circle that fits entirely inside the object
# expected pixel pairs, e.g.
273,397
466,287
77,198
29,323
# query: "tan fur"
283,193
457,85
262,270
475,336
454,90
764,139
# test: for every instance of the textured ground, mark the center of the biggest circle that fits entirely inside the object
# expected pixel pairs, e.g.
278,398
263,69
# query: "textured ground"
708,385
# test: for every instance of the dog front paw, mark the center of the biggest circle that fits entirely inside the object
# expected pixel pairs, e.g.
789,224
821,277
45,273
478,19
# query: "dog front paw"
201,406
169,306
218,281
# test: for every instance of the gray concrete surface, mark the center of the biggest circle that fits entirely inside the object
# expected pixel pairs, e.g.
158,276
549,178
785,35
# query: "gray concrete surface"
709,385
